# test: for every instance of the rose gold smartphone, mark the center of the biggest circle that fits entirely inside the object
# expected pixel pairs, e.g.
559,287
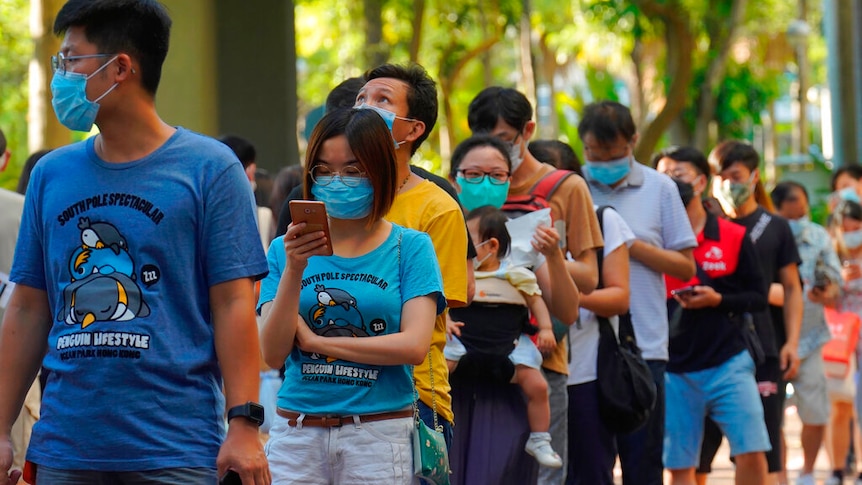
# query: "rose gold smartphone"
313,214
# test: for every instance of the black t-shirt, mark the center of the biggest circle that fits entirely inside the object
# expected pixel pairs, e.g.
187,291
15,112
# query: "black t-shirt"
776,248
284,218
726,261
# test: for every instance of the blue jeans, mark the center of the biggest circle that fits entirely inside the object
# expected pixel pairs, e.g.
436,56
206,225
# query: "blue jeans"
640,452
170,476
426,414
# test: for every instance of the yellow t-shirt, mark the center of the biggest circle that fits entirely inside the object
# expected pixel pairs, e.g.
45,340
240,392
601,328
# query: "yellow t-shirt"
572,203
429,209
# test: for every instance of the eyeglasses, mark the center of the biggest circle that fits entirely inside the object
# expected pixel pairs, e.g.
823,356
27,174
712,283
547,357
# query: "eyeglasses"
471,176
351,176
59,62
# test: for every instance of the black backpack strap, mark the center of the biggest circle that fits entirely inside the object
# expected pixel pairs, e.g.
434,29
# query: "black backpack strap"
600,253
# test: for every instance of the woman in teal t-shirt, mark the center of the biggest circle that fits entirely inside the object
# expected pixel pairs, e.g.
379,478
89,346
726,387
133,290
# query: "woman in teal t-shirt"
365,314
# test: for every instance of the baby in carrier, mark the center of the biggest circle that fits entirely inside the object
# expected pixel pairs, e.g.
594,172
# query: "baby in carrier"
492,340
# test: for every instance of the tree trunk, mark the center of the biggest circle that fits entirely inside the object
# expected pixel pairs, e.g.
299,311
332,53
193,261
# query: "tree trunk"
525,48
549,71
376,52
680,50
418,23
45,131
720,43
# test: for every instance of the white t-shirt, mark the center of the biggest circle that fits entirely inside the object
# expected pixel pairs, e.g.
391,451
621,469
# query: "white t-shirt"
584,337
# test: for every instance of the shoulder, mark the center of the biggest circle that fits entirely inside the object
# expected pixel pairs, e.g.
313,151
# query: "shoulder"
411,237
203,148
434,198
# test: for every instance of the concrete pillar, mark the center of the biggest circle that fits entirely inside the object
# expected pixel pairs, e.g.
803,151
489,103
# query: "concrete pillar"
257,77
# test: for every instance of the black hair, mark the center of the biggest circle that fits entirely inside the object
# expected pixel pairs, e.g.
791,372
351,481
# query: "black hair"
497,103
729,152
242,148
492,223
607,120
2,142
685,154
849,209
783,190
344,95
852,171
370,142
24,180
477,141
139,28
556,153
421,94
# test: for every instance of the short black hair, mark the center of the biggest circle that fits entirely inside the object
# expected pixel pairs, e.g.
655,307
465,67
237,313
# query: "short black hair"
729,152
421,95
852,171
497,103
139,28
473,142
2,142
344,95
556,153
607,120
685,154
782,192
242,148
492,223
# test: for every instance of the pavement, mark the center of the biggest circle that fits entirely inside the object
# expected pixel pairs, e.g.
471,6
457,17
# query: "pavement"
722,467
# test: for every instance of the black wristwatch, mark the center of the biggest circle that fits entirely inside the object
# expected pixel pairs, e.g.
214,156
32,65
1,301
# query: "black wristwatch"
251,411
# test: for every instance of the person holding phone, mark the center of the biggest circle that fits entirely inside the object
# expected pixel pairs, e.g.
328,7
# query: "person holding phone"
710,372
348,327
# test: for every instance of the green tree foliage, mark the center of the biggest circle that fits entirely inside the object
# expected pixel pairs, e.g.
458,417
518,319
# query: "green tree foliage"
16,49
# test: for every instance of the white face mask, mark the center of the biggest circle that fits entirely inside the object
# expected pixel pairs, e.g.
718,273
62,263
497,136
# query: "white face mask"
477,263
515,156
853,239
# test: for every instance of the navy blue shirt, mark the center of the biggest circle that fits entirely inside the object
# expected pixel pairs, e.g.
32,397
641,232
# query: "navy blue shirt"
726,260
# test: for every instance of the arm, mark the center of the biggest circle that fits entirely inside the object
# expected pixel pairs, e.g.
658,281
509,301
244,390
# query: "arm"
679,264
409,346
558,289
789,277
281,315
584,271
236,344
23,341
448,234
776,294
545,341
613,299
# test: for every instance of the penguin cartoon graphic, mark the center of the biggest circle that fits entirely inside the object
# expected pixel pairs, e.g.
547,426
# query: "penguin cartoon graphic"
336,314
102,298
103,250
103,287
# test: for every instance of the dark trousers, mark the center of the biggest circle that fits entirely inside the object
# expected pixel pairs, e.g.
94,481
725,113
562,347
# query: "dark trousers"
641,451
592,450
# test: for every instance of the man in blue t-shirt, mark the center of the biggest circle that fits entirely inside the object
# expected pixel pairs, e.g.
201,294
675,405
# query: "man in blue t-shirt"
134,274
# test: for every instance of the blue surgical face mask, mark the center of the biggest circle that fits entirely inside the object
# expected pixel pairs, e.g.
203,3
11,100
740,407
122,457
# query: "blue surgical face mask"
796,226
69,99
609,172
342,201
848,193
389,117
853,239
483,193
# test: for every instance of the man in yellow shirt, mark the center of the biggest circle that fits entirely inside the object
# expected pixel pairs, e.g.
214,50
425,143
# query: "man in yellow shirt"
406,97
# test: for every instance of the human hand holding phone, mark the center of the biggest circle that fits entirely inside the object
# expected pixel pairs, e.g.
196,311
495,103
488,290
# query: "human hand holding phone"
313,214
